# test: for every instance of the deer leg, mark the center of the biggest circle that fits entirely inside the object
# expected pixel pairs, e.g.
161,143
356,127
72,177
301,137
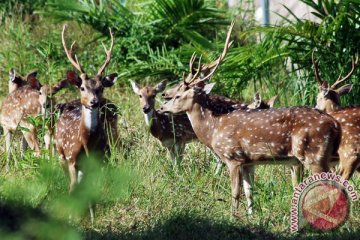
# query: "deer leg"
248,180
30,138
24,146
8,137
174,154
219,163
179,150
80,176
296,174
64,166
235,178
319,168
92,213
73,176
348,166
47,140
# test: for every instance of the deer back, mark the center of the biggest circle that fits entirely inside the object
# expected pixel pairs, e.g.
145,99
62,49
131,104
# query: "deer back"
18,105
257,134
349,119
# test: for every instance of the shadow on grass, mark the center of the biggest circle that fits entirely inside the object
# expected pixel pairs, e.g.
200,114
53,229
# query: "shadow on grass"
24,222
190,226
19,221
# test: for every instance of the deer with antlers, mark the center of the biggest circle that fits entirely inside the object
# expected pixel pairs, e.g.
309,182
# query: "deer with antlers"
174,132
80,131
220,103
328,100
244,138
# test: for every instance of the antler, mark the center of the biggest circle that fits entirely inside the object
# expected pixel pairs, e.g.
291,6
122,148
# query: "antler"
191,63
354,64
108,54
227,45
73,61
198,71
316,69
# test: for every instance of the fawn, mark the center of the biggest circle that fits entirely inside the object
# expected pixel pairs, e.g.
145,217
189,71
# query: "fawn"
23,101
28,97
173,132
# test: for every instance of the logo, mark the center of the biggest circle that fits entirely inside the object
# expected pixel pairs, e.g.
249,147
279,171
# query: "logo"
322,201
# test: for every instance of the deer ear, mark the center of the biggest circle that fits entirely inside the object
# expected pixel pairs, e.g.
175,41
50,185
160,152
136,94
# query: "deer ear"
272,100
109,80
324,86
60,85
257,102
257,97
208,87
32,80
161,86
344,89
12,74
13,78
73,78
135,87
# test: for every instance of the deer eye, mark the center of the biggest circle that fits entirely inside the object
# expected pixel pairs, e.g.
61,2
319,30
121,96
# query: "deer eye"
40,93
140,96
177,97
82,89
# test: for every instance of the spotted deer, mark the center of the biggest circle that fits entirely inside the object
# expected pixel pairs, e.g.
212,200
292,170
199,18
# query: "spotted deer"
244,138
173,132
27,98
23,101
328,100
80,132
221,104
46,101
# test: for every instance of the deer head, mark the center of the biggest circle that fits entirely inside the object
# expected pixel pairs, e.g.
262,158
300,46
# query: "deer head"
16,81
91,88
328,98
147,94
185,99
260,104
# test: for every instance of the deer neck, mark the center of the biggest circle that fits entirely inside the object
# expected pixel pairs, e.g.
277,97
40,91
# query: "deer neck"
89,119
149,117
332,107
152,119
202,122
